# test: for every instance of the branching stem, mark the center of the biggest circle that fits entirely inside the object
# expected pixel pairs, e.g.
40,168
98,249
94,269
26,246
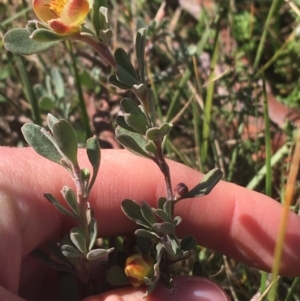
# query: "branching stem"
164,167
82,205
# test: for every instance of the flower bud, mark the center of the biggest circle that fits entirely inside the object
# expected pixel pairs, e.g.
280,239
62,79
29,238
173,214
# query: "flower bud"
181,189
137,267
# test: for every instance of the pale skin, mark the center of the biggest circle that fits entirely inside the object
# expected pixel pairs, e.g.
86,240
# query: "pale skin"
231,220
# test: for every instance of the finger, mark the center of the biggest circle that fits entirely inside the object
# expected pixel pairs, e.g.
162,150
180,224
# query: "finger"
185,288
232,220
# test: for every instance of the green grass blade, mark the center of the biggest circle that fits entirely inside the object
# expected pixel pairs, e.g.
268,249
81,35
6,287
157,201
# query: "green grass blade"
28,91
209,100
85,117
259,52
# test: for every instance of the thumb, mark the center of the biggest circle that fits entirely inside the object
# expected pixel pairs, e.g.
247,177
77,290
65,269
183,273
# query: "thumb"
185,288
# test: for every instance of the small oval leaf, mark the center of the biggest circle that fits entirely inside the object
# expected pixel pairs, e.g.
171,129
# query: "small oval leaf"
133,211
146,234
51,120
158,133
70,251
70,198
35,137
18,41
164,228
188,243
123,61
66,139
148,213
98,253
133,142
78,239
94,155
137,121
58,205
93,232
45,35
207,184
162,214
114,81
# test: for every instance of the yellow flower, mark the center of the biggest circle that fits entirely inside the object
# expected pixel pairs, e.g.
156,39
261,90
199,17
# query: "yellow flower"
137,267
62,16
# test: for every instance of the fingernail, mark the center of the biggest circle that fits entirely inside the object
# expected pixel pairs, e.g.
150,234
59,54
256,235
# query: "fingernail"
191,289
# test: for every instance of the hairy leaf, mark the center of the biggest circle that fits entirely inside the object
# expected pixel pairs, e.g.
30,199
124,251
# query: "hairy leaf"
45,147
70,198
78,239
58,205
94,155
207,184
70,252
146,234
132,141
133,211
188,243
66,139
93,232
148,213
18,41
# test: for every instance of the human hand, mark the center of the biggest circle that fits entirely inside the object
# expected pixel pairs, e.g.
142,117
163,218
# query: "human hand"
232,220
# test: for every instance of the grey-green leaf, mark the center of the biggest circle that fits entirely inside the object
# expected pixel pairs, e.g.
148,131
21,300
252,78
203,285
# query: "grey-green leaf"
167,207
93,232
51,120
173,242
70,198
70,252
132,141
158,133
125,77
120,120
114,81
151,148
140,44
55,251
137,121
103,18
162,214
123,61
148,213
18,41
41,255
40,143
207,184
98,253
164,228
146,234
66,139
188,243
129,106
160,203
133,211
78,239
94,155
58,205
58,82
43,35
177,220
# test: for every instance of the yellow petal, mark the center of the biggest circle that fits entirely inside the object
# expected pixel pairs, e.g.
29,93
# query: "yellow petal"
74,12
42,10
